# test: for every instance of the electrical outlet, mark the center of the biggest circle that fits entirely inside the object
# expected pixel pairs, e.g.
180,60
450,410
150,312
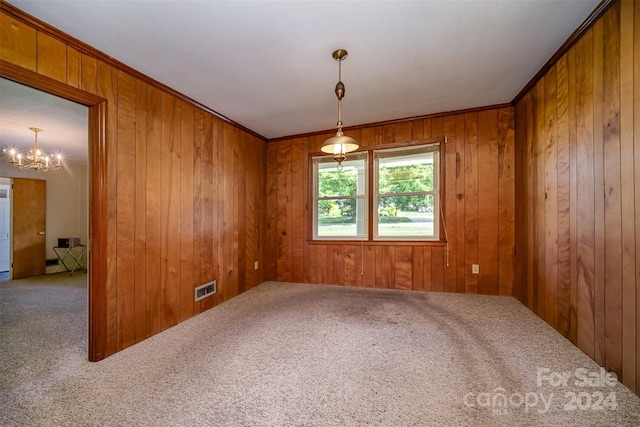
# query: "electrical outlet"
475,269
255,265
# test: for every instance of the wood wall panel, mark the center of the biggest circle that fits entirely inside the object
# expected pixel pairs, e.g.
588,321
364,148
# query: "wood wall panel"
585,120
165,195
73,67
488,202
598,182
52,57
479,212
627,184
107,87
506,201
471,201
140,219
125,215
19,42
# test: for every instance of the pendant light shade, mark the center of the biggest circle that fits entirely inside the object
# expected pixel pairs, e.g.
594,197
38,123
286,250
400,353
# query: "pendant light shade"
340,144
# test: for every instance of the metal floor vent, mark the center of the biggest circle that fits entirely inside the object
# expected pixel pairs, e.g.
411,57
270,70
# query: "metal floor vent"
205,290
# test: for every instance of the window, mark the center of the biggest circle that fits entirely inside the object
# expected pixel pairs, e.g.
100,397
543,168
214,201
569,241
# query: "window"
403,203
340,204
406,196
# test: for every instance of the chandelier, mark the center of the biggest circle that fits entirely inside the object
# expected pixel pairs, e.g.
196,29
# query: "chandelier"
35,159
340,144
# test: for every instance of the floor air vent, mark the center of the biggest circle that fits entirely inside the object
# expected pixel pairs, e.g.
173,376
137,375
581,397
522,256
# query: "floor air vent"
205,290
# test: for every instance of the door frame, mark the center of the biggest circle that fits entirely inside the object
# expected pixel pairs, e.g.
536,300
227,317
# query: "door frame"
97,244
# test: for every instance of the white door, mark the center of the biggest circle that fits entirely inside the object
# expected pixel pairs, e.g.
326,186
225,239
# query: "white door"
5,224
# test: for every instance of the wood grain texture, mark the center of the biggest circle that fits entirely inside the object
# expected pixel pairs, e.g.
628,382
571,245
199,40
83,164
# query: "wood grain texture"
573,201
612,194
596,215
18,43
153,212
449,198
140,218
107,86
506,201
540,292
627,188
186,211
28,245
598,178
551,197
471,201
563,199
488,202
141,280
459,236
291,257
170,212
125,216
636,166
73,67
52,57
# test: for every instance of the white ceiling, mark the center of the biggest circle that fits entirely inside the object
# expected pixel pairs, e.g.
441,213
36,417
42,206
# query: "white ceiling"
267,64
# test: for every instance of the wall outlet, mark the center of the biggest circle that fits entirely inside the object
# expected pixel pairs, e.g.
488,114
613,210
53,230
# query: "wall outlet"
255,265
475,269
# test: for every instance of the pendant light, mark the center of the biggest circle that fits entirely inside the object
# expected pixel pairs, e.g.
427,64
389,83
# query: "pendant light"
340,144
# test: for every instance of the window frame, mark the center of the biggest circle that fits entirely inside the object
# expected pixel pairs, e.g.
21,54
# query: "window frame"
435,193
316,198
369,240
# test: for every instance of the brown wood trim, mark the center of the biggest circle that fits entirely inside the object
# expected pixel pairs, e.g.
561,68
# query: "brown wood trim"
97,195
22,16
31,78
395,121
573,38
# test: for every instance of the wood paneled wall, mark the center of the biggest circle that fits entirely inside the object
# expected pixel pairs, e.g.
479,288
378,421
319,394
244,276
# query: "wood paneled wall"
578,194
185,190
479,212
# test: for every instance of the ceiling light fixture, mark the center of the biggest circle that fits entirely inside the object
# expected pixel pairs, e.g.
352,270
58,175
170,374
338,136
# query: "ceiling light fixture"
340,144
35,159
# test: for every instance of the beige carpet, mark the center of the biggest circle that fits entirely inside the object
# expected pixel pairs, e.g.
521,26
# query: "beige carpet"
291,354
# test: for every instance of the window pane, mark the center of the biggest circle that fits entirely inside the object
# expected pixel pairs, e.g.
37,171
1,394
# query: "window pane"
349,181
406,216
341,218
408,173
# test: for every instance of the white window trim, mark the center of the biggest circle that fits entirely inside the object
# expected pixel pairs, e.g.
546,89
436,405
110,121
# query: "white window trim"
434,148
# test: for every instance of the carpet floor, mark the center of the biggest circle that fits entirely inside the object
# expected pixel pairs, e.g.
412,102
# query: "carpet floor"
286,354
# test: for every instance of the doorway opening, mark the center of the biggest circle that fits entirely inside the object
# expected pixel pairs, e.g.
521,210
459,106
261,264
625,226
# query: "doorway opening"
97,197
43,206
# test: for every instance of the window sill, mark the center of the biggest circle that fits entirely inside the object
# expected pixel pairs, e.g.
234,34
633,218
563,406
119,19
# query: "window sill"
379,242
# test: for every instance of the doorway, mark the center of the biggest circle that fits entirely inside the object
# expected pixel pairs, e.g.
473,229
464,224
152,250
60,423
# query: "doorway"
97,166
45,205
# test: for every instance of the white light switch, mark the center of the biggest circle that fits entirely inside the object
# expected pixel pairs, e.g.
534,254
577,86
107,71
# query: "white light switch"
255,265
475,269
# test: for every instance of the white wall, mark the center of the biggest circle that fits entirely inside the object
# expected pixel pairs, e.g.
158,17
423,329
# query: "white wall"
67,201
